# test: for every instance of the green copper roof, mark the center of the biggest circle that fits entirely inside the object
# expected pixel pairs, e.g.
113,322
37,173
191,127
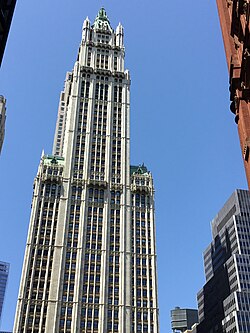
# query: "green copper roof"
51,159
139,169
102,21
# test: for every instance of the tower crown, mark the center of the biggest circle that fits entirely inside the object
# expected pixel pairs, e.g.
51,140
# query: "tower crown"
102,21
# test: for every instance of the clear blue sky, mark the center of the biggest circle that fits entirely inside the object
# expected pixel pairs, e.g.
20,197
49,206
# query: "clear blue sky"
181,126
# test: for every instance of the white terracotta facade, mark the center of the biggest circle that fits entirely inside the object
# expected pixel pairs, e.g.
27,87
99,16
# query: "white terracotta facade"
90,260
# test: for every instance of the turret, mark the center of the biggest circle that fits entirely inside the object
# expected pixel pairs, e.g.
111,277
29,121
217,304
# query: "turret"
119,35
86,30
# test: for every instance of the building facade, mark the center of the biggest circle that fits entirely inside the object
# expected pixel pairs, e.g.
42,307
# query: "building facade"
90,260
2,120
6,12
234,18
192,330
183,319
4,273
224,301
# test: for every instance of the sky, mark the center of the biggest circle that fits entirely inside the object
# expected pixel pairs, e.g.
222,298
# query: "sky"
181,125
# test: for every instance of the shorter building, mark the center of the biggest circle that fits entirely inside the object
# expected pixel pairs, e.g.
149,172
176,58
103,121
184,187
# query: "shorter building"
4,272
6,12
183,319
2,120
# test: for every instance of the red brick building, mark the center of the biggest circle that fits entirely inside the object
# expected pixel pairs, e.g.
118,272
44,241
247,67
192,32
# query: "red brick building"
234,18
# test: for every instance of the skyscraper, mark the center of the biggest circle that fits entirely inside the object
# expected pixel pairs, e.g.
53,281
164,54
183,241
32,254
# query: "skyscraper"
234,18
4,273
224,301
90,260
2,120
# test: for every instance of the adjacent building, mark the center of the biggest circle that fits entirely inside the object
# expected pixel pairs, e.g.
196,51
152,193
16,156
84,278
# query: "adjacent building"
6,12
234,18
90,260
183,319
2,120
224,301
4,272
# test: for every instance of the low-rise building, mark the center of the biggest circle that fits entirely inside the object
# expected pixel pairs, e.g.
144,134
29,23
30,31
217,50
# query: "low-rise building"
182,320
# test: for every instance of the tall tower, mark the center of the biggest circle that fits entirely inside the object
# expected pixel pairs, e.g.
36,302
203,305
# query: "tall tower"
234,18
90,260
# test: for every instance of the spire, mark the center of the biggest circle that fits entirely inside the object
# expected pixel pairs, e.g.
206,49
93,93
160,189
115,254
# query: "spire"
102,21
85,29
86,23
119,35
119,29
